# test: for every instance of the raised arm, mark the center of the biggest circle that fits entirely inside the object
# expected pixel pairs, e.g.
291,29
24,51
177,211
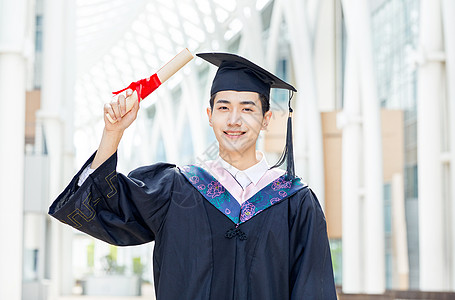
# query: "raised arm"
113,132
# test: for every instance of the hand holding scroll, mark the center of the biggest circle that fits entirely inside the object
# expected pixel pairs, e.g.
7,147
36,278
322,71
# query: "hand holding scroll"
146,86
121,112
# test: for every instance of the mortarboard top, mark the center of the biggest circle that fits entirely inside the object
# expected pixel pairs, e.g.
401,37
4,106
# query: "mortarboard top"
239,74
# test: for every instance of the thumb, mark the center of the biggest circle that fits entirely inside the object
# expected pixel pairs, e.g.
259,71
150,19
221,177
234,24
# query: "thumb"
130,116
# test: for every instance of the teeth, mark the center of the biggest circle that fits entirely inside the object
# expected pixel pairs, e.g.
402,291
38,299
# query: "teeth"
234,133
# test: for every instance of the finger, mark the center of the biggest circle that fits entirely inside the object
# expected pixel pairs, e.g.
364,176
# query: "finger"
132,104
135,107
116,106
131,115
129,92
122,105
109,111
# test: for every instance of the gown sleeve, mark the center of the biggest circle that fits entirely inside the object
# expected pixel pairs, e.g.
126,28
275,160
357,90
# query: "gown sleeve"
311,264
118,209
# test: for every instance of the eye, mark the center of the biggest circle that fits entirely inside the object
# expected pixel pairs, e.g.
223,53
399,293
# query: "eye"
248,109
222,108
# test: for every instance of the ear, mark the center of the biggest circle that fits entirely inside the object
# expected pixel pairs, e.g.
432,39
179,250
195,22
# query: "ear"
266,120
209,115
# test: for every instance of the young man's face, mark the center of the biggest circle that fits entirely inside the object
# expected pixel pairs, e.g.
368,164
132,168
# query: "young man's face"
237,119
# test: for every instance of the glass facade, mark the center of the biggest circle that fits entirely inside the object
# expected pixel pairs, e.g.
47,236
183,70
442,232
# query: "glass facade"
395,29
337,259
38,51
388,232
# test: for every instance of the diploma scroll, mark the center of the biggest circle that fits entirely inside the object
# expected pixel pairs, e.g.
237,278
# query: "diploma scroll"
144,87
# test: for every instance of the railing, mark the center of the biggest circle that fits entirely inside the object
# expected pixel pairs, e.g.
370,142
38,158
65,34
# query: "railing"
402,295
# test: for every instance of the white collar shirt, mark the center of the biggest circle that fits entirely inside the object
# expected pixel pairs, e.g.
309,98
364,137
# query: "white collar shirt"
251,175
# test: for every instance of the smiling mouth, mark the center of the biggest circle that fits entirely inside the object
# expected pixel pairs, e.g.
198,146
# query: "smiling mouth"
234,133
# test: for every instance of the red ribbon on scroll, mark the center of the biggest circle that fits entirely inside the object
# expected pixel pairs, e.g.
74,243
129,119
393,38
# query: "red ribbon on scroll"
143,87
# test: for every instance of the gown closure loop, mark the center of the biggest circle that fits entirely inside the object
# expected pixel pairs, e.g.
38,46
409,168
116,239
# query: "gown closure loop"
233,232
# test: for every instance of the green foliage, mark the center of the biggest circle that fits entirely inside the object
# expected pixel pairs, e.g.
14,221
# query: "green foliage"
110,265
91,255
138,267
336,252
113,252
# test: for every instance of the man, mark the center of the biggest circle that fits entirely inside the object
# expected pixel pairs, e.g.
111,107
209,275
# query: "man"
233,229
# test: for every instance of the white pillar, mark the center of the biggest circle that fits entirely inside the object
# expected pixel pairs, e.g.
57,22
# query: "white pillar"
274,33
306,107
12,112
351,167
55,116
251,32
448,10
69,80
429,99
325,56
12,123
400,245
358,26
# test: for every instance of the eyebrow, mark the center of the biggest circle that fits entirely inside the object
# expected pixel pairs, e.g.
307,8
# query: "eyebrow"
246,102
223,101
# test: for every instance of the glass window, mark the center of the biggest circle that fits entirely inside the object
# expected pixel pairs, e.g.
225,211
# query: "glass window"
337,258
395,27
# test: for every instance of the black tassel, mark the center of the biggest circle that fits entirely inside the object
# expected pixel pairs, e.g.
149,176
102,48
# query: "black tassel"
290,149
288,152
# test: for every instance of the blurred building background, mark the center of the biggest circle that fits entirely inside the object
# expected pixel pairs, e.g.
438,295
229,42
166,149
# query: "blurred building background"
374,125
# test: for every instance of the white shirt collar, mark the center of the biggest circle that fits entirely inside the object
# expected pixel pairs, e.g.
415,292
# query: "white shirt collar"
253,173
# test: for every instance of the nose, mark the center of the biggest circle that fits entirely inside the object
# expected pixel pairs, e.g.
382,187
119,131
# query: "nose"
234,118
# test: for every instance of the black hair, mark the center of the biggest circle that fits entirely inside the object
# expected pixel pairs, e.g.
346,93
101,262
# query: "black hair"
265,103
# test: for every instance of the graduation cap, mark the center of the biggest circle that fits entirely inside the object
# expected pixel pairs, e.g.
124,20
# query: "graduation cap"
236,73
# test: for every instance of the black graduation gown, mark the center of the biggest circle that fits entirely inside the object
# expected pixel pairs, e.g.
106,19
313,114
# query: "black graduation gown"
278,252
